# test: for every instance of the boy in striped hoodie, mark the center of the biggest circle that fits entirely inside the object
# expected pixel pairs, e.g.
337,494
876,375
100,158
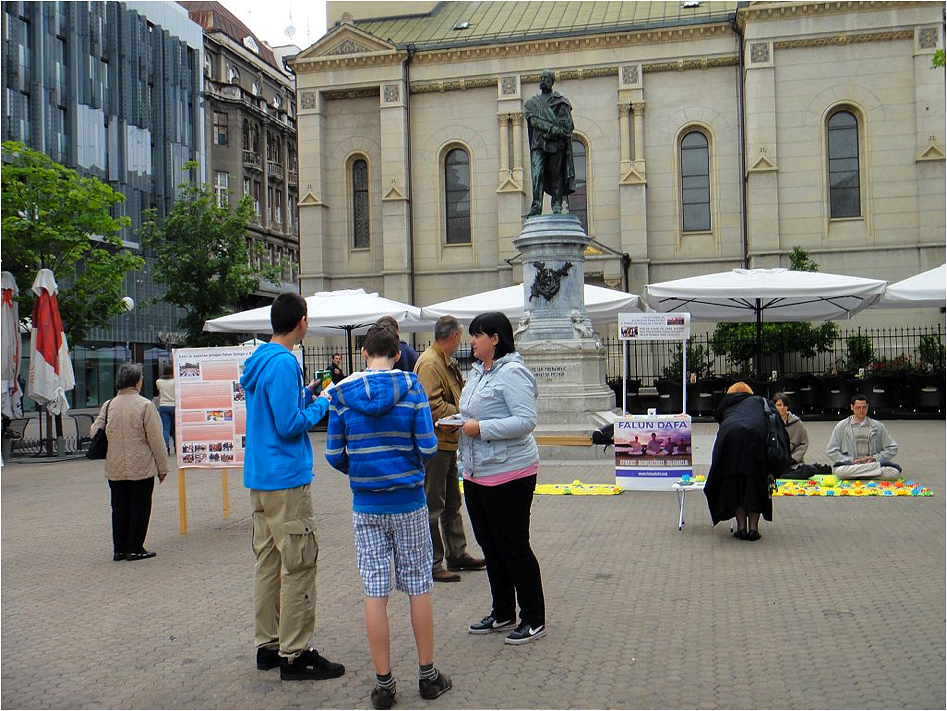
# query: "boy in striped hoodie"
380,434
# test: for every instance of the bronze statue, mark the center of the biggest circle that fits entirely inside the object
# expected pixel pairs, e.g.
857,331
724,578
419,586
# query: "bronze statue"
549,122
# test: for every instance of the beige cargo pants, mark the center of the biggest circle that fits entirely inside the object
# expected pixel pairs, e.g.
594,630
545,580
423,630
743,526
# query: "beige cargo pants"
284,582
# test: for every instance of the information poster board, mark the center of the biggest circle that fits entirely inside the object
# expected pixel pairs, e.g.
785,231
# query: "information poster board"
654,327
210,406
652,451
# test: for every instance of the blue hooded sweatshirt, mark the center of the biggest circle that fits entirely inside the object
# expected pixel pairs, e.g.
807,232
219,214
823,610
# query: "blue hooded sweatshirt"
380,434
280,411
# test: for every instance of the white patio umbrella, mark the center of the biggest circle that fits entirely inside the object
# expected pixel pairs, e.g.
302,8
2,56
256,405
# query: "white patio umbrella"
51,375
10,393
603,304
773,294
925,290
348,310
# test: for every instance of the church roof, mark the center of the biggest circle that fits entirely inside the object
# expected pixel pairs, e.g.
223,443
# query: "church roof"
453,24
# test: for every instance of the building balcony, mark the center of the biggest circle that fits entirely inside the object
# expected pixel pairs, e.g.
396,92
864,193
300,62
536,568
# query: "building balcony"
274,170
252,160
292,176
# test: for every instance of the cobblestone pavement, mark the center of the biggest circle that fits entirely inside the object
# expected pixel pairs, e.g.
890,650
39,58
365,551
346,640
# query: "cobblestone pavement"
840,605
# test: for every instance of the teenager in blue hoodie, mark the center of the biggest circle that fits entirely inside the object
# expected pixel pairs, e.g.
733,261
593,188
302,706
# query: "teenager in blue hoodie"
380,434
277,470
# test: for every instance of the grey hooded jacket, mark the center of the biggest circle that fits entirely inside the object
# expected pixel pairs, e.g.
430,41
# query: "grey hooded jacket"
503,401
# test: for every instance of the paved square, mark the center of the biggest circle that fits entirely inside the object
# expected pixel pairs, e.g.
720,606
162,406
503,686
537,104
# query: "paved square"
841,604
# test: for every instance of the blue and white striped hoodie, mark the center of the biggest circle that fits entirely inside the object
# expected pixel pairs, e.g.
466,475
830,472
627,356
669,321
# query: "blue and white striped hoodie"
380,434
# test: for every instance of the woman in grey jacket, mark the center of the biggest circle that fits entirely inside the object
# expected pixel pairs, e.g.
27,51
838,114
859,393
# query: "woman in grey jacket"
499,460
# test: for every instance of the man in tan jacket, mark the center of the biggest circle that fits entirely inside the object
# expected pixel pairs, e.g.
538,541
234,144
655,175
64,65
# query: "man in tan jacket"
440,375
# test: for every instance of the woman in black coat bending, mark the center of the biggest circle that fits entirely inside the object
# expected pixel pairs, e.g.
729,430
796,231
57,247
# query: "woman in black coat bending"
738,483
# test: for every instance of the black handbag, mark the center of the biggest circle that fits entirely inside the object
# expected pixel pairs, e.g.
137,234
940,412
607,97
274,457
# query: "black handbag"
99,447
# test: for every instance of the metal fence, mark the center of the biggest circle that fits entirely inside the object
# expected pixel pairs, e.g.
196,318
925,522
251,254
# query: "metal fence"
900,349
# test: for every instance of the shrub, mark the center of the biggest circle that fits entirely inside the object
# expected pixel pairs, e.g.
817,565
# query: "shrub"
931,352
859,352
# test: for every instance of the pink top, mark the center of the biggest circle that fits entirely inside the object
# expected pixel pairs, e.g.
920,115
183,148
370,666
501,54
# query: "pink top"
497,479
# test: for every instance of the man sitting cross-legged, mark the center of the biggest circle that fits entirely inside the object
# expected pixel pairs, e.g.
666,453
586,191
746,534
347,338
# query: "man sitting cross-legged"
861,448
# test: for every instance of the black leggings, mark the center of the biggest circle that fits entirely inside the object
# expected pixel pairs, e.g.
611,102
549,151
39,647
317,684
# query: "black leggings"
499,516
131,512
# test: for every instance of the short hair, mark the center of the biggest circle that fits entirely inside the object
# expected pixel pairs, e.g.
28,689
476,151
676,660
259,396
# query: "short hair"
739,387
494,323
390,322
381,342
167,372
782,396
336,354
859,396
445,327
287,310
128,375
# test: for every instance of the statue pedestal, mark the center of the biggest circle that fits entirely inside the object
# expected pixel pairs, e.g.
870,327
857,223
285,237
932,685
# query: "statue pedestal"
555,335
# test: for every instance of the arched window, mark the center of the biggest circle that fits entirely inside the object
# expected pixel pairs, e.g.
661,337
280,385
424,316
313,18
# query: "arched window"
361,236
844,184
233,75
457,196
578,201
695,182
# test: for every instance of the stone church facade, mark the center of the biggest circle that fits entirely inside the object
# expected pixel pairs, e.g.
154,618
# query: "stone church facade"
709,136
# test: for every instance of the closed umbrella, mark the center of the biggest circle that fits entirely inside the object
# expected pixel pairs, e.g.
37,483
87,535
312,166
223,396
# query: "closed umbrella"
51,375
603,305
331,312
10,393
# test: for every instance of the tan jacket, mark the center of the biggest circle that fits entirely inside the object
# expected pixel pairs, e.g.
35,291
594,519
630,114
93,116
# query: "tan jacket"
136,440
440,376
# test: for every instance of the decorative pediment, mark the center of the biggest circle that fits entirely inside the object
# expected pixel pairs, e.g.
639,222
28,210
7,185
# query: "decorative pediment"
932,152
344,41
394,193
763,164
310,200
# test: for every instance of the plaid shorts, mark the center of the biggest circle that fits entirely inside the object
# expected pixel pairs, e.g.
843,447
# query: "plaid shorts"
406,537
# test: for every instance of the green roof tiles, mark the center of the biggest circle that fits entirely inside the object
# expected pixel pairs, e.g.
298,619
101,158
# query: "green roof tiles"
496,22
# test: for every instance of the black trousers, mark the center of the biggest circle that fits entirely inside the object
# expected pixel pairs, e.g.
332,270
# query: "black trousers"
499,516
131,512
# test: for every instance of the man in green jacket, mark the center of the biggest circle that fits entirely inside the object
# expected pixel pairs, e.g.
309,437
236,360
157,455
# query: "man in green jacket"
440,375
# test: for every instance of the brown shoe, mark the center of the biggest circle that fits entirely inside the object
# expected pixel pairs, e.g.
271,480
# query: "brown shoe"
444,576
468,562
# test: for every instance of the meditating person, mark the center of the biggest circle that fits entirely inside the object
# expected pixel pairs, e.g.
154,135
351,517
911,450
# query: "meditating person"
738,480
798,442
861,448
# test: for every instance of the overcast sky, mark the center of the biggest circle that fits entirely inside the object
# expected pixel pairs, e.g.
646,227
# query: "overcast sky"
269,19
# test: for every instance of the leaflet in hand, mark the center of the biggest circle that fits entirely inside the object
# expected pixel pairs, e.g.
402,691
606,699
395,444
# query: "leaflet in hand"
453,421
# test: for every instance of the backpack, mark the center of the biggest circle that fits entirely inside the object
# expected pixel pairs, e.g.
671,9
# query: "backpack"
778,454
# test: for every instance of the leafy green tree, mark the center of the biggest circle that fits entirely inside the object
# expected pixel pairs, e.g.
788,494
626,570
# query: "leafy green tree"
737,341
54,218
203,259
939,60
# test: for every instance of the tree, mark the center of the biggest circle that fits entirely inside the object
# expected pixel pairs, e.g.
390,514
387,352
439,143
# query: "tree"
54,218
738,340
202,258
939,60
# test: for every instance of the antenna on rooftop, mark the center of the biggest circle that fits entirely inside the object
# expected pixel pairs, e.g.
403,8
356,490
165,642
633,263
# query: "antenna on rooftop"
291,30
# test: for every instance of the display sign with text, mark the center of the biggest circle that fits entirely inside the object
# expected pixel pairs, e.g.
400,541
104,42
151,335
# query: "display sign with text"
210,406
652,451
654,327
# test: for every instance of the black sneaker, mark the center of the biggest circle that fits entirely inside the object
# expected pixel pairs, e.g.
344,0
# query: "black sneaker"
524,633
309,665
432,688
490,624
383,698
266,658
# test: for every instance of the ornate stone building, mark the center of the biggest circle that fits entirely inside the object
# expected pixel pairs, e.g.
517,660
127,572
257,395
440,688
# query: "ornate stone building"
250,134
709,135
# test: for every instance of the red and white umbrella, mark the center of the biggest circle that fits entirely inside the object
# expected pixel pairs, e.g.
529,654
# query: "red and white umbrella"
51,373
10,393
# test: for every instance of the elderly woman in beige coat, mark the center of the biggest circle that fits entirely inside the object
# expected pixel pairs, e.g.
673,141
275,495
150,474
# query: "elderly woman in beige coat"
136,455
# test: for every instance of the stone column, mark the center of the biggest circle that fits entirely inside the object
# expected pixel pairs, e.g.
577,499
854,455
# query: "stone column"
504,149
931,142
394,189
555,336
517,147
638,110
313,214
624,131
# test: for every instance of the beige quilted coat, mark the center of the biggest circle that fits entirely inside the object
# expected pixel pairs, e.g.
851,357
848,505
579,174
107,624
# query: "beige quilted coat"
136,441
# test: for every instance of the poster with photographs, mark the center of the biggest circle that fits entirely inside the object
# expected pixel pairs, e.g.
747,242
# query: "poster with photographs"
652,451
654,327
211,406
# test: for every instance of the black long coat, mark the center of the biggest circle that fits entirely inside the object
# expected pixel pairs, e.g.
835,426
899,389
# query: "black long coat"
738,476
